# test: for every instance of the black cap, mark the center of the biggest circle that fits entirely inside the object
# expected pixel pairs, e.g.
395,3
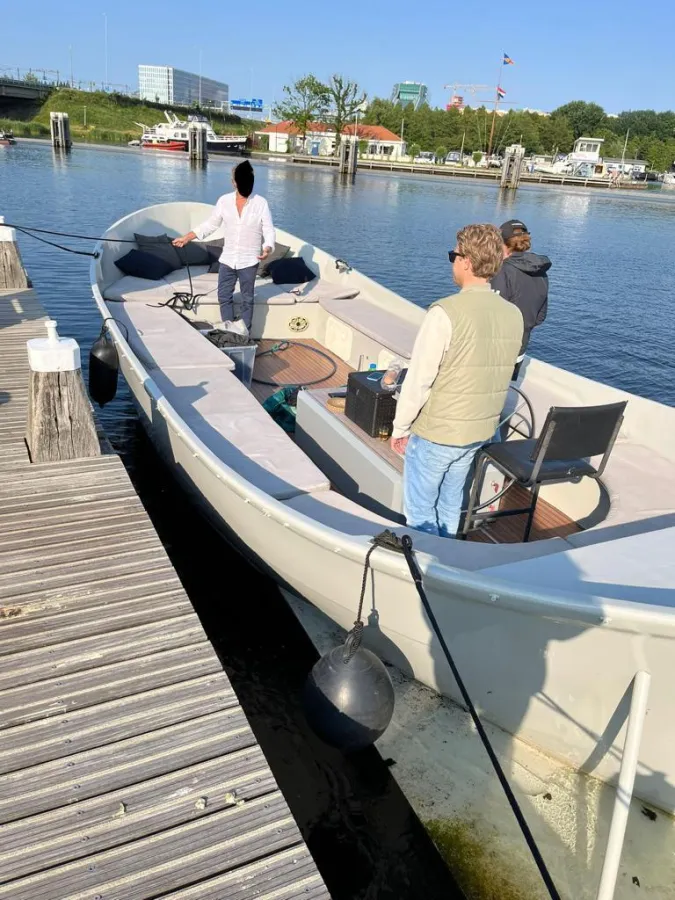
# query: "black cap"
513,226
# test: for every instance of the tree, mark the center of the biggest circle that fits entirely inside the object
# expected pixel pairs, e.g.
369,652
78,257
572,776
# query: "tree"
346,98
556,133
441,152
476,156
584,118
413,150
304,102
363,148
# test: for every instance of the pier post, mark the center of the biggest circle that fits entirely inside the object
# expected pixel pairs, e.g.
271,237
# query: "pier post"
348,156
197,144
512,166
12,273
60,128
60,418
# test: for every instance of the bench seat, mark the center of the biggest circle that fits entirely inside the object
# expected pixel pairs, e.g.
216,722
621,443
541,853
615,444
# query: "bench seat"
390,331
228,419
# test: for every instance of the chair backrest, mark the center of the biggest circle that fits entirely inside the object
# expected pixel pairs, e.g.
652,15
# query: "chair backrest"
579,432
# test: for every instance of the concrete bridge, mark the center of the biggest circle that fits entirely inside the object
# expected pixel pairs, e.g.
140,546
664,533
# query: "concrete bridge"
15,89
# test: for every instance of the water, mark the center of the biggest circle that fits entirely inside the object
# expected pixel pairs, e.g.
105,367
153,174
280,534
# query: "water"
611,318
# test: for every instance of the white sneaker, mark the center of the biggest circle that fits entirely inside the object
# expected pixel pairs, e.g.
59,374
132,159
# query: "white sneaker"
237,327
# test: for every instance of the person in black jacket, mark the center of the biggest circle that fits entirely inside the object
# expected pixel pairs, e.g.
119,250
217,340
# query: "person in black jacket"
522,279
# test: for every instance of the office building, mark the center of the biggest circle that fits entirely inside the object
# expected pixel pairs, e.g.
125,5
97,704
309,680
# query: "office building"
165,84
406,92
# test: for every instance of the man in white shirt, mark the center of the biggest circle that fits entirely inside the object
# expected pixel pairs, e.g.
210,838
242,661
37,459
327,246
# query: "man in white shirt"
248,240
456,384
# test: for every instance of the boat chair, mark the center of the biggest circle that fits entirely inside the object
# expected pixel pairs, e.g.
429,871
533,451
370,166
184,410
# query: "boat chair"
571,435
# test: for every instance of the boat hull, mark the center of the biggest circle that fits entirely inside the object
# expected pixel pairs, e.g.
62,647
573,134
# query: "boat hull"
166,145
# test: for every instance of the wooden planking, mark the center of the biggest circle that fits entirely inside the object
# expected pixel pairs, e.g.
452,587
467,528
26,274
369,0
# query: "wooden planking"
296,365
127,766
116,818
548,521
171,859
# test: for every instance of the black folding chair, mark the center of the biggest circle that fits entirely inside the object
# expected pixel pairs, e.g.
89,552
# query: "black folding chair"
571,435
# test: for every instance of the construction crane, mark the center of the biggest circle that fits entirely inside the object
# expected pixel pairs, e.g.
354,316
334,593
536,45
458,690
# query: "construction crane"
471,88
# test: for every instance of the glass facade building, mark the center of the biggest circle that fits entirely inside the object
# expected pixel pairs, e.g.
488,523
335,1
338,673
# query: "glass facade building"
406,92
165,84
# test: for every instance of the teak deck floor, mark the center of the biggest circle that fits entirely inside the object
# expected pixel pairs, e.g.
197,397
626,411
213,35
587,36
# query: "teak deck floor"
296,363
127,766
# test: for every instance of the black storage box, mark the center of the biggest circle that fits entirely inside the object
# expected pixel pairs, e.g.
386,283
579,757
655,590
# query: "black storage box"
367,404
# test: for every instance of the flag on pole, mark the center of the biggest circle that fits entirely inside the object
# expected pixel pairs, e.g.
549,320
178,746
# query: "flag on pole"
501,92
508,61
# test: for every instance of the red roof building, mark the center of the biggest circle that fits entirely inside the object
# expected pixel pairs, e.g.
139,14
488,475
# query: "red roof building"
285,137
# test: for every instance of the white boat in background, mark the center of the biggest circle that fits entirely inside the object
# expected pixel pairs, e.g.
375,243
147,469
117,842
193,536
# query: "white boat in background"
173,135
668,180
549,635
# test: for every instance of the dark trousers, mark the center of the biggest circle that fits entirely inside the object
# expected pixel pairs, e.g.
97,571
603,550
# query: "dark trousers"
227,280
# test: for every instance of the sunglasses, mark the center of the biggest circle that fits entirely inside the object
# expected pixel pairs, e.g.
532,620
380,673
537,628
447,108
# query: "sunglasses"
454,254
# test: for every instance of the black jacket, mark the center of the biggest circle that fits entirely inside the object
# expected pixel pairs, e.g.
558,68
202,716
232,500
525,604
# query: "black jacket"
522,279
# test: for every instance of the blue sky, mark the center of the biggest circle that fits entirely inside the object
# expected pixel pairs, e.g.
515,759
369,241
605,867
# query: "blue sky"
618,54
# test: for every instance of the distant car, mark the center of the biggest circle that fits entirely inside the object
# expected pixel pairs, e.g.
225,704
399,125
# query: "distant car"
425,157
453,157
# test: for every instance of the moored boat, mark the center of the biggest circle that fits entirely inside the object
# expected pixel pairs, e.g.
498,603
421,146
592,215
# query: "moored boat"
175,132
7,138
549,634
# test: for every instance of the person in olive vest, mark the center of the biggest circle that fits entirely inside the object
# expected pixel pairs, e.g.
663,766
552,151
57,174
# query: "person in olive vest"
456,384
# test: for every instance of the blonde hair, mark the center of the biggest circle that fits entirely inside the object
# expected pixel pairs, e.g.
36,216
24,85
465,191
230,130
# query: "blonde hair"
520,242
482,245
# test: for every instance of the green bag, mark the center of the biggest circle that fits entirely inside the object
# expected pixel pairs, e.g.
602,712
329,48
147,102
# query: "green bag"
282,407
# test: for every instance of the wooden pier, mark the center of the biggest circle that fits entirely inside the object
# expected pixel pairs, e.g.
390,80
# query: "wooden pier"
128,769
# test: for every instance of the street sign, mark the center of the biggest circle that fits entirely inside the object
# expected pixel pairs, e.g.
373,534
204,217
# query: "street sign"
246,104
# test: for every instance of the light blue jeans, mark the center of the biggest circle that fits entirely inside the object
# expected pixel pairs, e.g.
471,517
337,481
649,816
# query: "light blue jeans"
434,478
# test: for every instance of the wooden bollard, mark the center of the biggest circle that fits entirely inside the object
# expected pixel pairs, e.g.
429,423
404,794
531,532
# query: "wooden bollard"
12,273
60,418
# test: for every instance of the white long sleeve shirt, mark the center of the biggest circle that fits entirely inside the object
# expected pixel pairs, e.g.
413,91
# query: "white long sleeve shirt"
244,235
431,345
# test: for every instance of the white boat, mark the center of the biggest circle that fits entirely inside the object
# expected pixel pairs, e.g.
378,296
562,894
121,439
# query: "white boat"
173,134
668,180
549,635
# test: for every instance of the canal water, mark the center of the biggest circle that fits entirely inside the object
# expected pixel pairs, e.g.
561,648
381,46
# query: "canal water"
612,318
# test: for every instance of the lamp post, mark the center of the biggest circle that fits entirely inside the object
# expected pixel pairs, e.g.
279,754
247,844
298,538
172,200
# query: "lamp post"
105,43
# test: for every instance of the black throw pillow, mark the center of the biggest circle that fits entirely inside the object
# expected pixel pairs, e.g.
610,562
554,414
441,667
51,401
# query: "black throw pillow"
194,254
279,252
144,265
160,245
214,248
293,270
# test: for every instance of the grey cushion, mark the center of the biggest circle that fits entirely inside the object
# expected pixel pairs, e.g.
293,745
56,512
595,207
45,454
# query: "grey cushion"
397,335
141,289
279,252
228,419
160,337
159,245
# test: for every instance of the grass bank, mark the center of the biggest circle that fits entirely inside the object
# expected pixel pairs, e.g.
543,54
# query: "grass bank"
110,118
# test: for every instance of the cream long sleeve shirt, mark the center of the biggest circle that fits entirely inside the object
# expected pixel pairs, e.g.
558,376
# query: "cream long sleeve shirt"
431,345
244,235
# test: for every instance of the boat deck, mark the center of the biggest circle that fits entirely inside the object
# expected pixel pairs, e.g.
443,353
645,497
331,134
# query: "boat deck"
548,521
128,768
296,366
